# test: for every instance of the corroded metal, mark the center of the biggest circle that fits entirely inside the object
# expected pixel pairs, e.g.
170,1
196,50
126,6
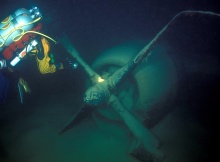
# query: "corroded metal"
103,93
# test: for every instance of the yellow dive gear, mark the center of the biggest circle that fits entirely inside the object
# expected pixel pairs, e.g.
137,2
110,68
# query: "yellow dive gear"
44,65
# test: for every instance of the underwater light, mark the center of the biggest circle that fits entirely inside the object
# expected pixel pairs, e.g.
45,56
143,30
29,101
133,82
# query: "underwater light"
100,79
75,65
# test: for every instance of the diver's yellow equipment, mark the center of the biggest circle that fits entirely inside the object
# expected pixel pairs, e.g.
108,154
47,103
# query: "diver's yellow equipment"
44,64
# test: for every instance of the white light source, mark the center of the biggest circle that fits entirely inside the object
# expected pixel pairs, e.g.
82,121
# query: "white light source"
100,79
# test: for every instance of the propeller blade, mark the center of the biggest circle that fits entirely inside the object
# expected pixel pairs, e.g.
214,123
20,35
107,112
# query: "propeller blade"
83,112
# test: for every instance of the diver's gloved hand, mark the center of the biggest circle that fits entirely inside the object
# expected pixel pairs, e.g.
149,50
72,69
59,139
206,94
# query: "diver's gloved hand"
70,63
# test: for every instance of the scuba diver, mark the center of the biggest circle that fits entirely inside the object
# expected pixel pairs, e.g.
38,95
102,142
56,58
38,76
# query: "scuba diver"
21,38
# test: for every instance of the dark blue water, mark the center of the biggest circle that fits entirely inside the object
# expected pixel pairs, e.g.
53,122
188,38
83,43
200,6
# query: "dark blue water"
185,124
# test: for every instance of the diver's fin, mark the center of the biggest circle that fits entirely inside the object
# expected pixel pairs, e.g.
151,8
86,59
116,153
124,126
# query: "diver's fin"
23,87
21,92
83,112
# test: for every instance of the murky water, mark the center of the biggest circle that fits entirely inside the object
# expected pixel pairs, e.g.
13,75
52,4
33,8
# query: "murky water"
186,126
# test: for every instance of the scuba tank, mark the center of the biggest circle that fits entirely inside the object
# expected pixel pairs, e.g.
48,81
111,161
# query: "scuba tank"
15,25
16,31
